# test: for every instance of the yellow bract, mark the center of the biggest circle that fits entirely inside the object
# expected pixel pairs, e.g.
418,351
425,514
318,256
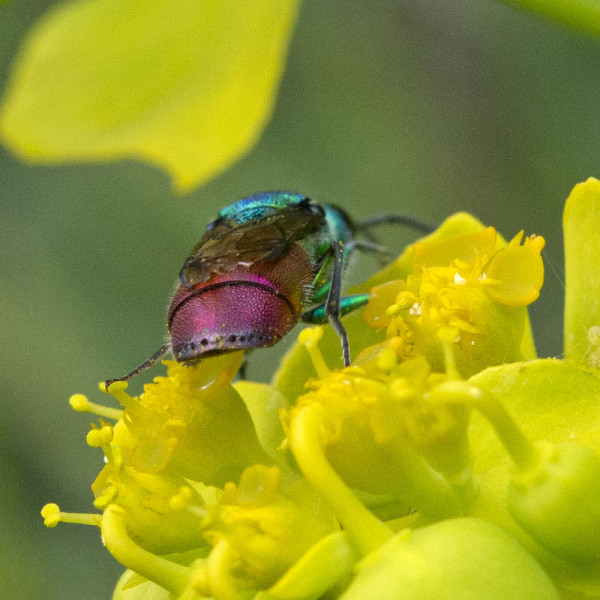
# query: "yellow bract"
581,223
186,85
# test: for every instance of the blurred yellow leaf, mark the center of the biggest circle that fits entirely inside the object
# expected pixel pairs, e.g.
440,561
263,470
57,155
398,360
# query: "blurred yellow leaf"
186,85
580,15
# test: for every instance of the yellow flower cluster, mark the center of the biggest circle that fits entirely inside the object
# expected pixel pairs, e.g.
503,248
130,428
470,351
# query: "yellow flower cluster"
253,491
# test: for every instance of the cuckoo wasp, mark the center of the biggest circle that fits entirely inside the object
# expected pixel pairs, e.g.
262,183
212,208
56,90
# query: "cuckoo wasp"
265,263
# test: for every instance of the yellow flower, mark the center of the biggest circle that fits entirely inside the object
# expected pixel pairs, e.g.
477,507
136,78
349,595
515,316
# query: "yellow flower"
391,412
191,420
469,285
376,456
187,431
262,531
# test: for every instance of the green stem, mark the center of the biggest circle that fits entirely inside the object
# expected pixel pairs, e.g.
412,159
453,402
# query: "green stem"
523,452
171,576
366,531
581,15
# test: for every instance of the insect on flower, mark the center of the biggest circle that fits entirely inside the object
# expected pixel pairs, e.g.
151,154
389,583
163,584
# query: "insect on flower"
265,263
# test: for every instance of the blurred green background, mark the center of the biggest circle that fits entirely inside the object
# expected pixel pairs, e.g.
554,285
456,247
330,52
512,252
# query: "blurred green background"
416,107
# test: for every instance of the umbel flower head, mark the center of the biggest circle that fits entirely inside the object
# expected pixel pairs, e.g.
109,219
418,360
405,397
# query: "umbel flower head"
446,460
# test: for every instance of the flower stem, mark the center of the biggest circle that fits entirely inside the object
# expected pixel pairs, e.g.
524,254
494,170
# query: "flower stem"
524,453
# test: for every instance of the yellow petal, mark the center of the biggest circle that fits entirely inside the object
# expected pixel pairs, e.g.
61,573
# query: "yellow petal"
186,85
466,247
519,271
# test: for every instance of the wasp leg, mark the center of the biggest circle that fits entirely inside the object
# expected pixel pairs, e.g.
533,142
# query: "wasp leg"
367,224
332,304
384,254
332,309
145,365
348,304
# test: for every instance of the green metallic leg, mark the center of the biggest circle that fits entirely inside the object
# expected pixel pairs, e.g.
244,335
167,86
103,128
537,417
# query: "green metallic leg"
335,305
332,304
348,304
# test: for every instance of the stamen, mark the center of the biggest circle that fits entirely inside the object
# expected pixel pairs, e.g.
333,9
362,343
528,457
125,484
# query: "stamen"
181,499
100,437
53,516
131,404
107,496
393,310
117,390
80,403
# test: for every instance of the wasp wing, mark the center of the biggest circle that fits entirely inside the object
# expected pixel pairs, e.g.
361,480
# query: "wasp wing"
228,244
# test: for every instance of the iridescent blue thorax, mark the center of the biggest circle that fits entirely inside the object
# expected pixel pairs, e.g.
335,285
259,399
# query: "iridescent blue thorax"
335,223
258,205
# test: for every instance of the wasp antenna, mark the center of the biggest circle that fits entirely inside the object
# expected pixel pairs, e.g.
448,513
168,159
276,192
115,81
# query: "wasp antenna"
145,365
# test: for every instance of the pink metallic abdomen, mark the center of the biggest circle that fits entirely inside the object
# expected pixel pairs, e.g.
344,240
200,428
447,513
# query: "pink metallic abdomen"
250,307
